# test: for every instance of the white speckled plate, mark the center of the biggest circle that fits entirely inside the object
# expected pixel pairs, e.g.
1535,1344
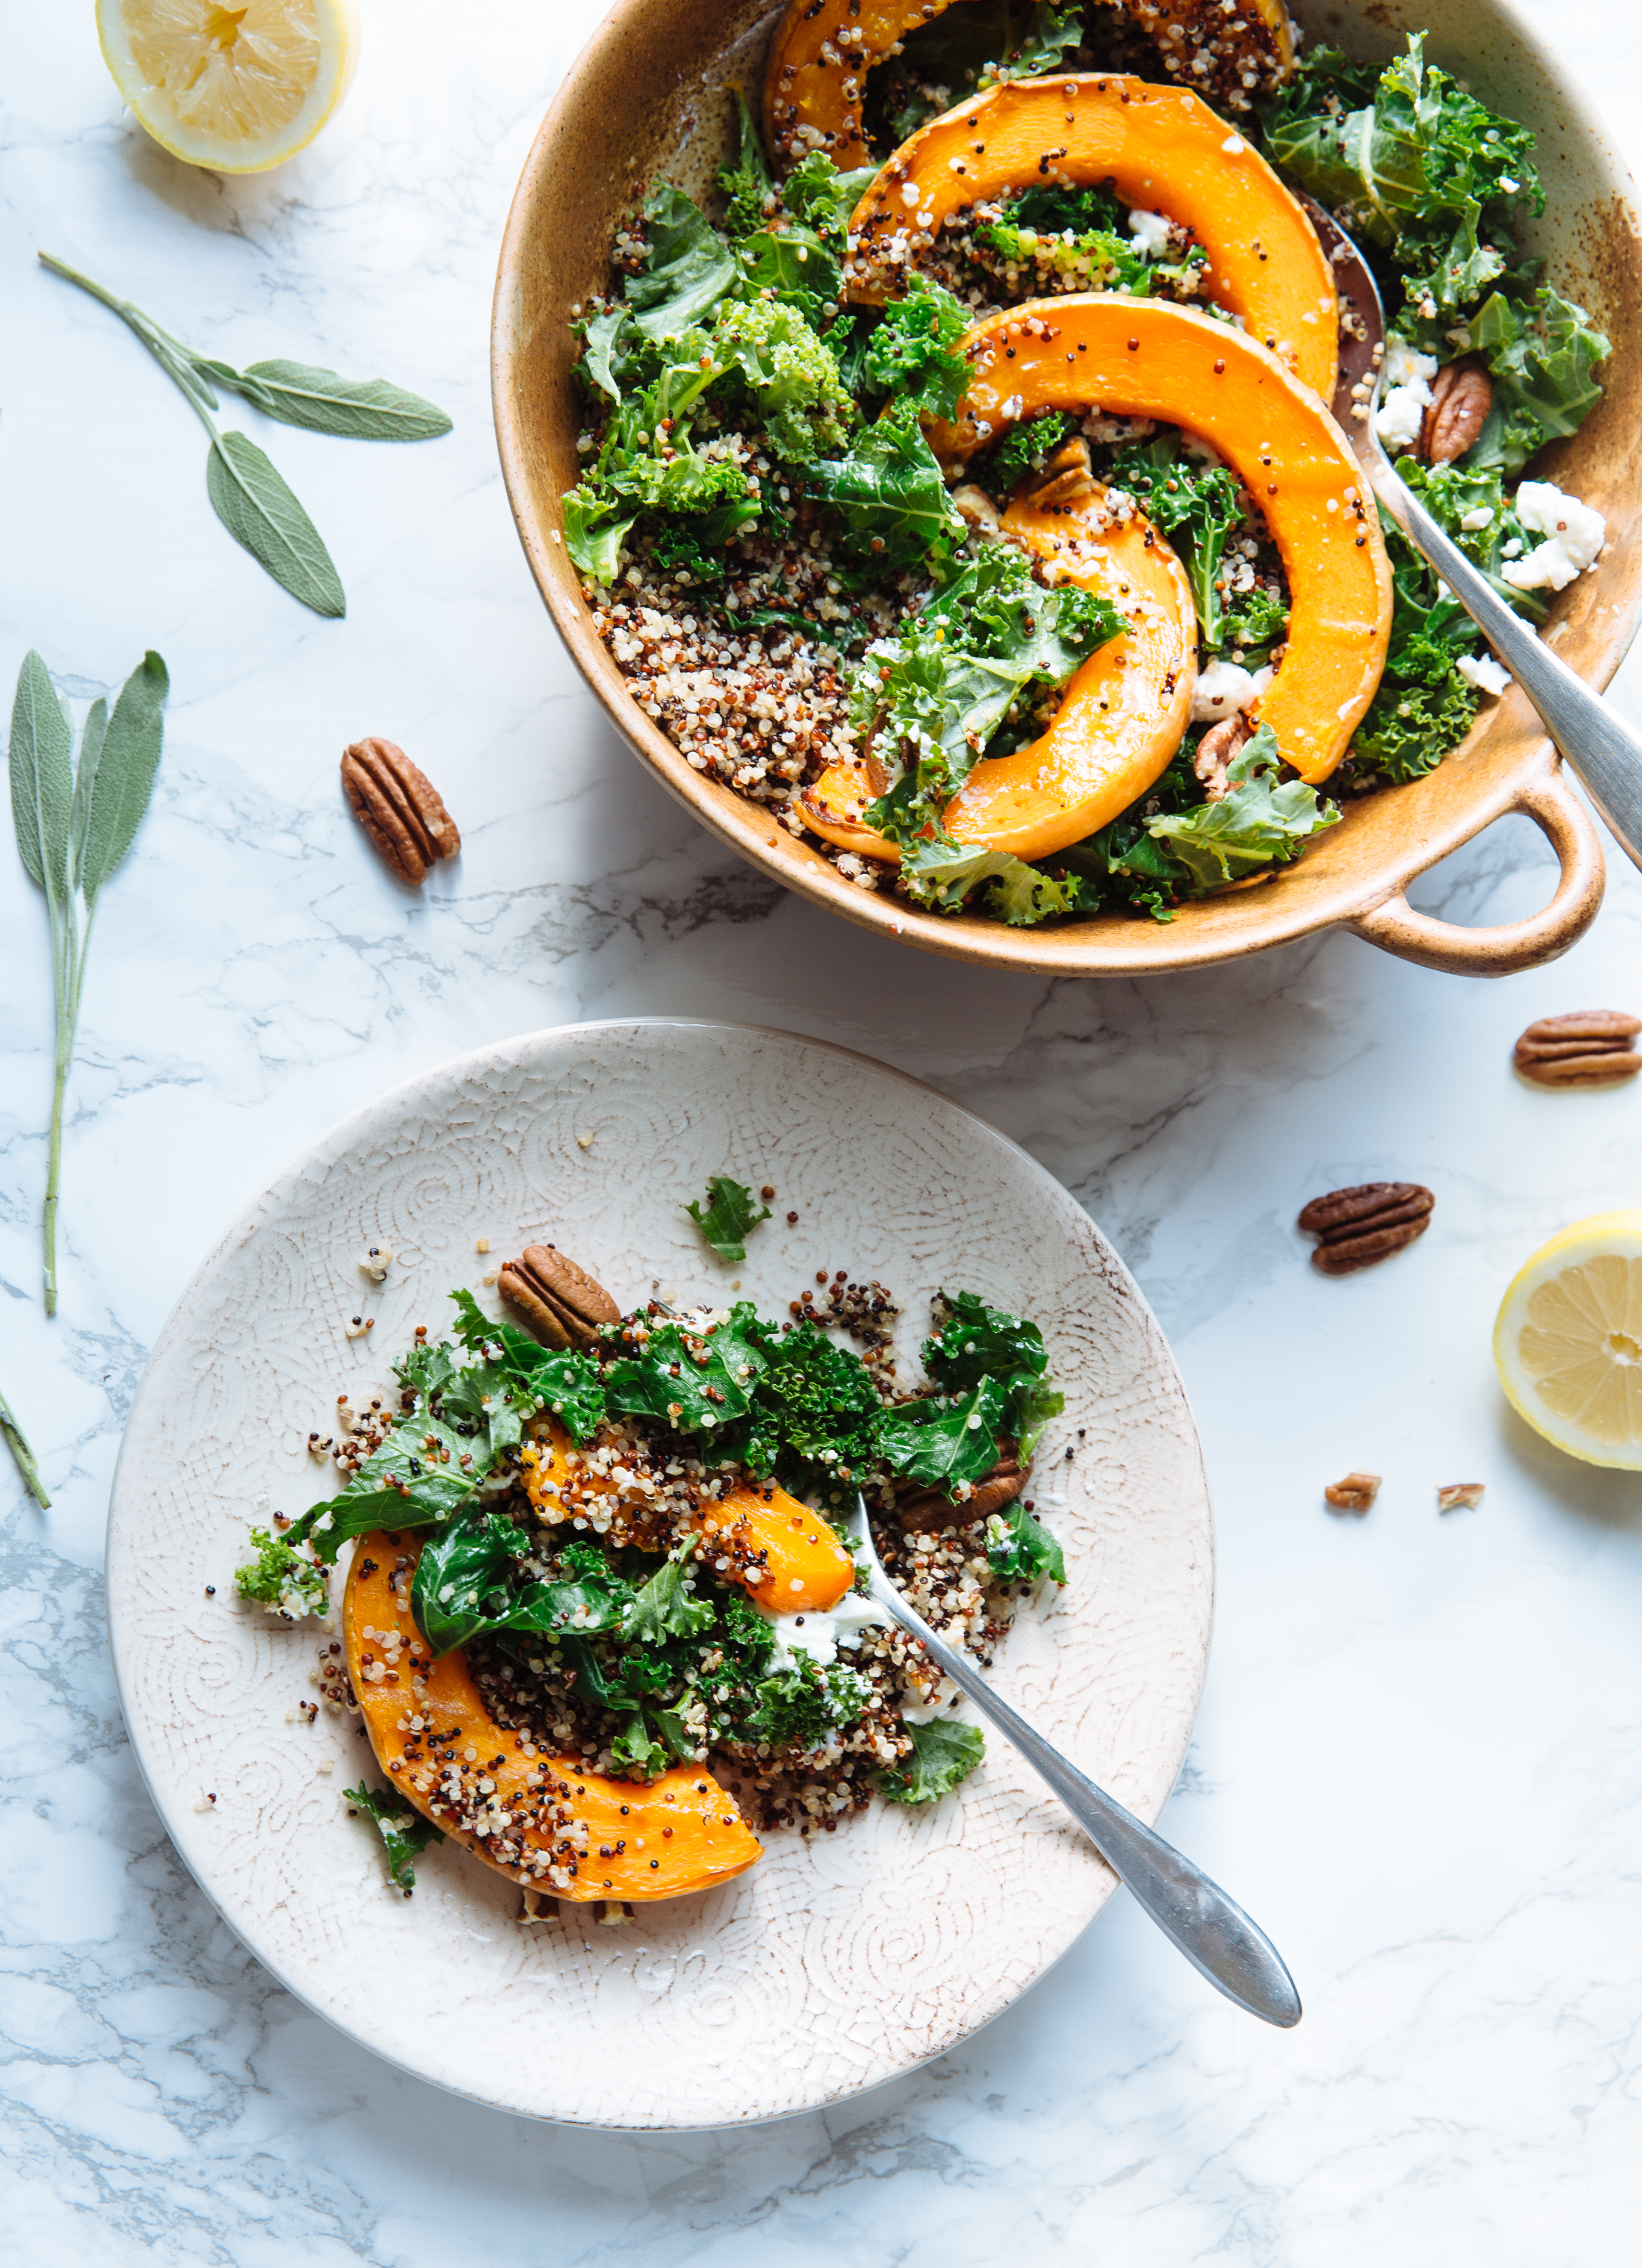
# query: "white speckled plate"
838,1962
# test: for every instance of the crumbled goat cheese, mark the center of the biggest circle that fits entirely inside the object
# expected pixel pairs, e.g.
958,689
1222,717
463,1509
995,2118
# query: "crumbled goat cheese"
1481,516
1484,671
1574,533
1223,688
1403,367
1408,395
821,1635
1150,234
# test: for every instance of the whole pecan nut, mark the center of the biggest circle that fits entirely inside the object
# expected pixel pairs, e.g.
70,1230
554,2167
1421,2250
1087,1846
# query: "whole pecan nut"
1001,1486
1461,394
1365,1224
562,1302
1355,1494
399,808
1215,751
1590,1047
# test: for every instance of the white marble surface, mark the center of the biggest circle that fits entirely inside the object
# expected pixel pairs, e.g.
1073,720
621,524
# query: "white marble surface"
1418,1757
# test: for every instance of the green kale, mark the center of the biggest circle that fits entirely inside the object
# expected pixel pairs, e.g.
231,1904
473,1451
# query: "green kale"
1081,233
1258,823
405,1833
965,50
286,1581
888,491
975,1341
696,1382
811,1425
460,1584
665,1607
1122,865
802,1707
821,198
687,267
1196,506
936,695
911,352
1409,728
1541,355
942,875
942,1440
1252,624
1021,1548
1423,707
789,378
1025,448
944,1752
748,186
729,1216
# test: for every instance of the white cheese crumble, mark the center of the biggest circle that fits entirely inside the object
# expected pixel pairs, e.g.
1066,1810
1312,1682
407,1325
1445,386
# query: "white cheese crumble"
1150,234
821,1635
1223,688
1481,515
1575,533
1484,671
1407,395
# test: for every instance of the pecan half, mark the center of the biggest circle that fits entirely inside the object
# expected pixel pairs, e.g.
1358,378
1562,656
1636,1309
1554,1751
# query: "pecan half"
1216,750
399,808
1355,1494
1365,1224
1460,1495
1590,1047
927,1506
1067,478
1461,394
977,511
562,1302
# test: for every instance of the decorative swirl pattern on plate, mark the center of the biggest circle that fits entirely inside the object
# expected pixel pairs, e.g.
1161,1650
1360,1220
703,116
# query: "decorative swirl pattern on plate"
834,1965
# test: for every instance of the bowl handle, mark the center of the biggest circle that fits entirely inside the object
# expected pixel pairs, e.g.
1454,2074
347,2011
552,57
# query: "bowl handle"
1548,798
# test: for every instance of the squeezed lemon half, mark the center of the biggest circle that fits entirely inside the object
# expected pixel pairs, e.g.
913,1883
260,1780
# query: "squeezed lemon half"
1568,1340
237,87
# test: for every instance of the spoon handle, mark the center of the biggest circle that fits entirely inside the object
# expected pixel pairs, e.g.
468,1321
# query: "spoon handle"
1595,740
1212,1929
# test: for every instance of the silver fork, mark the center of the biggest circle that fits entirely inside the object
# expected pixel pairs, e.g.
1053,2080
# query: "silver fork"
1212,1929
1595,740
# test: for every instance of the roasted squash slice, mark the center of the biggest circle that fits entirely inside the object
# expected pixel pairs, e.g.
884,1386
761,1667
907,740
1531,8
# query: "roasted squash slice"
540,1820
1144,358
1120,720
1163,149
785,1555
822,50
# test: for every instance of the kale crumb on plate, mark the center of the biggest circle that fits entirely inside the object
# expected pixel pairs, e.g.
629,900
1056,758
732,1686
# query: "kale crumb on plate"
791,584
558,1510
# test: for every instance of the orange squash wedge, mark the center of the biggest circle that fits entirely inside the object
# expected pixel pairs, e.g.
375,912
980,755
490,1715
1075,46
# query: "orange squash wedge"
1144,358
781,1553
1119,719
540,1820
815,82
1162,150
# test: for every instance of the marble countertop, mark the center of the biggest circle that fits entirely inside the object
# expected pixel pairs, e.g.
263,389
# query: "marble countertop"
1418,1758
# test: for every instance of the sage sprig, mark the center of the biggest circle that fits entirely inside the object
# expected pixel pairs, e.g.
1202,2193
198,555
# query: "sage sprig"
75,823
16,1442
248,493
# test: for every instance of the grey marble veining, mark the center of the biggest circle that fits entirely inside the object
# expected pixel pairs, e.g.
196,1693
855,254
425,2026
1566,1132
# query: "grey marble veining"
1418,1756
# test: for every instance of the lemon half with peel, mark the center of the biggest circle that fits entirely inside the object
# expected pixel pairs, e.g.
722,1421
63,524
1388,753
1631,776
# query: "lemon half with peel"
1568,1340
235,84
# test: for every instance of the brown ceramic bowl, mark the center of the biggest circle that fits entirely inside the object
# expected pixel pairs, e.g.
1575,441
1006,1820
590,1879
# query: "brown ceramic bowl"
649,93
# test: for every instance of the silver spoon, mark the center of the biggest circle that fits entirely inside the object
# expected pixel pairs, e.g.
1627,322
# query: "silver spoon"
1595,742
1213,1933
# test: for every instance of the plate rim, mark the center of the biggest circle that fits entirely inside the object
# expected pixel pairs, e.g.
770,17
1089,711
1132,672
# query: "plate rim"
243,1225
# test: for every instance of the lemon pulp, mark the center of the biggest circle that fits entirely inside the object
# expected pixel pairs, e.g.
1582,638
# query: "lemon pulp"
235,84
1568,1343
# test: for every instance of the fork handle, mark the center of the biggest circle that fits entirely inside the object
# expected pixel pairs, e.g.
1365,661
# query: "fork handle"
1595,740
1212,1929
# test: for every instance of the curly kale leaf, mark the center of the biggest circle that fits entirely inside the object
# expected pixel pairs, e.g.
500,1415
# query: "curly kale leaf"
747,186
1019,1549
802,1707
460,1585
1196,506
944,1752
936,695
687,267
888,491
696,1382
1025,448
284,1582
1423,708
911,352
1258,823
1542,356
565,1383
813,1409
665,1607
790,379
821,198
729,1216
1082,231
944,1439
1252,624
405,1833
976,1341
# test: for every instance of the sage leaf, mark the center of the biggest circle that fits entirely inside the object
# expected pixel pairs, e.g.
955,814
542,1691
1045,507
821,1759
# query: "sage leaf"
42,783
123,766
356,409
260,513
84,780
